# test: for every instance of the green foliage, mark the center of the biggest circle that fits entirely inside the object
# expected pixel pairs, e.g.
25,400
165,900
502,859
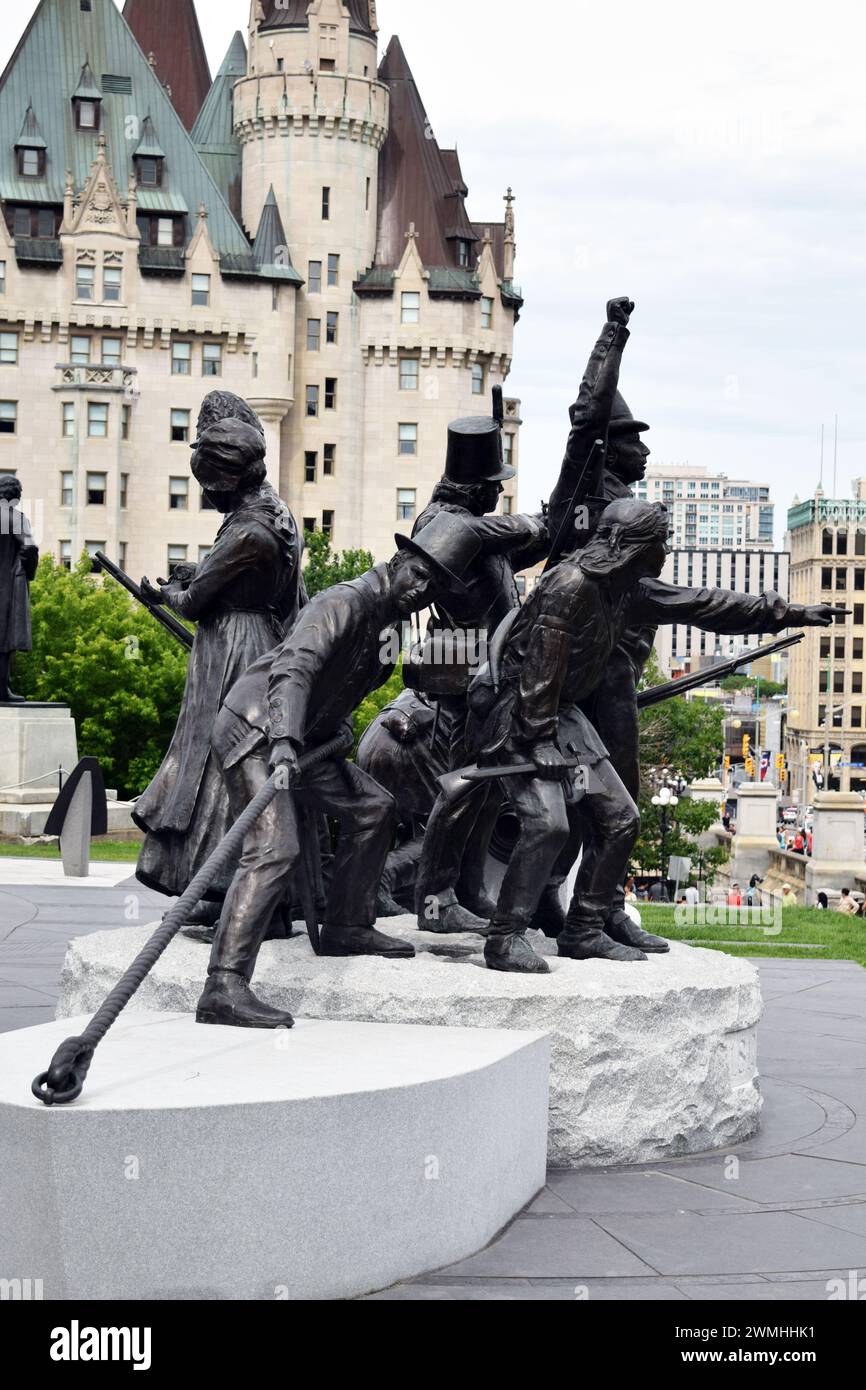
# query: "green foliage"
325,567
760,686
686,736
375,703
122,675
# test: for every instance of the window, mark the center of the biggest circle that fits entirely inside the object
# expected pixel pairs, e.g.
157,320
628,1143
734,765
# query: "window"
124,491
858,614
311,466
84,278
86,115
125,418
31,163
9,349
121,555
839,648
407,439
328,525
181,359
333,270
205,503
824,650
97,487
330,393
409,373
178,494
841,542
410,307
507,506
309,523
859,578
326,204
332,325
367,201
254,364
314,335
477,379
823,682
79,355
463,253
856,716
2,277
838,682
180,426
826,577
312,400
111,351
856,682
176,556
314,277
8,417
329,460
97,420
112,284
201,290
486,312
406,498
68,426
857,652
160,231
149,171
841,580
65,554
508,450
859,542
212,359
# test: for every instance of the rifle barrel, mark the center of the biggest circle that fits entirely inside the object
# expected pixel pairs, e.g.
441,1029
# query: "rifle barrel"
657,693
170,623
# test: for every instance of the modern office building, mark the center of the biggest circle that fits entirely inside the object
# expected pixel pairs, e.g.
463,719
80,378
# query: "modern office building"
685,648
710,511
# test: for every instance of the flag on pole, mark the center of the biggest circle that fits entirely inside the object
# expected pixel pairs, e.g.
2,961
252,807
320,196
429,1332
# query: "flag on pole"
765,763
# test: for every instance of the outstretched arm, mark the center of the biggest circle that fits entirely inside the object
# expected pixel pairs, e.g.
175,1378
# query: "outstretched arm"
724,610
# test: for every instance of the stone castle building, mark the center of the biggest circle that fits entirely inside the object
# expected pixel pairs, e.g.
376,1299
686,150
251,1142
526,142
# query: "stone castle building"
291,231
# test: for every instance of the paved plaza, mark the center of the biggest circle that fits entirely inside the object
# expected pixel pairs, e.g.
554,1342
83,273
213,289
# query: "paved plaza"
775,1219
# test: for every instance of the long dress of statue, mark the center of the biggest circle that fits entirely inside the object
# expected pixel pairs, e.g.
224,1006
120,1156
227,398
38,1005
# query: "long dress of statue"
18,560
244,596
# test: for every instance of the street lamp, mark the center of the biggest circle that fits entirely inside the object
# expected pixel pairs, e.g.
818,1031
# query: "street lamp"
670,786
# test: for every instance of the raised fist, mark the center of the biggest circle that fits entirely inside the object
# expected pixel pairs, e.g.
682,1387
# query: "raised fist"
620,310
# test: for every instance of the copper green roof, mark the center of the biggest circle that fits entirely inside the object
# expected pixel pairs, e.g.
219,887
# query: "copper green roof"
148,146
31,136
213,133
61,42
87,90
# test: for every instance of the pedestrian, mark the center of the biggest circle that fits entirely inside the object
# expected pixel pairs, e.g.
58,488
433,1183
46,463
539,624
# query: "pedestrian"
734,898
847,905
753,894
692,895
789,897
799,843
823,905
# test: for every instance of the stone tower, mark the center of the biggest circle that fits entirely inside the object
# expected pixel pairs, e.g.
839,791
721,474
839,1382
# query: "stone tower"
311,117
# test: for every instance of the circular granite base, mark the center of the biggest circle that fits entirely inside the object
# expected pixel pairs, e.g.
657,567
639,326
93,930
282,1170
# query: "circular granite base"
650,1059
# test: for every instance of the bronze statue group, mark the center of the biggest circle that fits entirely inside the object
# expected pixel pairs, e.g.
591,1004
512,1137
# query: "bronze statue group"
544,721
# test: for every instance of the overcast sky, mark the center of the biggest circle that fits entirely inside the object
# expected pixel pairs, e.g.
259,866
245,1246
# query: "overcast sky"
706,160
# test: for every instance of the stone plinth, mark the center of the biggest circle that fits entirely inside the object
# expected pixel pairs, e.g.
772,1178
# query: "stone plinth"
35,740
650,1059
837,844
227,1163
755,838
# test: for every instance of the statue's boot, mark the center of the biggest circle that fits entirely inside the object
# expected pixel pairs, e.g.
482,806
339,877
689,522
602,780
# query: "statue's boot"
450,916
550,913
228,999
621,928
510,950
202,921
362,941
7,696
583,939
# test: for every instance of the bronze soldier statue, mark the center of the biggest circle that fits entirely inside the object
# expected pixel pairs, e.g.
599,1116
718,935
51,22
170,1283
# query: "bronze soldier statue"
298,697
243,596
472,483
19,557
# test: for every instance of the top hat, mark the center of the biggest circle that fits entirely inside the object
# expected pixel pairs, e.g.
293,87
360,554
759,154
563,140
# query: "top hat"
621,419
475,448
449,543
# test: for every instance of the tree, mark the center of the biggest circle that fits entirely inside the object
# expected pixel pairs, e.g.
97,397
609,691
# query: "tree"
687,736
325,567
121,673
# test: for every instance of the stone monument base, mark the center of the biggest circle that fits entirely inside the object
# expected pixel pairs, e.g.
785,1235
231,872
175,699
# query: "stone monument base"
225,1163
650,1059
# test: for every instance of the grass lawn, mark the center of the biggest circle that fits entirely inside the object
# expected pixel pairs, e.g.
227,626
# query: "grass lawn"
841,938
110,851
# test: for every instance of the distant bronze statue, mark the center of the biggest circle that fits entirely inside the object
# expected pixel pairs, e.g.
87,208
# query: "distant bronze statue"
243,595
295,699
19,557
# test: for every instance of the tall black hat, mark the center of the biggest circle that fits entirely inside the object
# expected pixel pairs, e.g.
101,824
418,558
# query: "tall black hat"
621,419
475,448
449,543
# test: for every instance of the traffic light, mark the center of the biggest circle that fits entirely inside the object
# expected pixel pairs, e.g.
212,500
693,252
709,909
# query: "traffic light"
746,744
780,762
727,762
750,766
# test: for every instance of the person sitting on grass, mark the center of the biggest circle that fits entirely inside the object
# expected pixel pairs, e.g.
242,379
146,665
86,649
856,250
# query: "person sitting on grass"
789,897
847,905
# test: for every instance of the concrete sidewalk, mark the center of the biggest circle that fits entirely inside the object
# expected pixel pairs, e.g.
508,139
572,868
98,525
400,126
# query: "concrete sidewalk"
778,1218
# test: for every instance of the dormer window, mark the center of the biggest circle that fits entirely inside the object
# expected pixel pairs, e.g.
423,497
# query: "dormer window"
31,163
86,115
464,253
148,172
